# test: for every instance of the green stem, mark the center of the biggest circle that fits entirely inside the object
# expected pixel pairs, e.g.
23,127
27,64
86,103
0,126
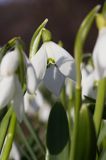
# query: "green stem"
99,105
33,156
9,138
4,126
75,131
35,136
78,50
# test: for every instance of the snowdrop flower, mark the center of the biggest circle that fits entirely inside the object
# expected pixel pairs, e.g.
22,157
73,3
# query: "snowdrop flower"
10,87
52,64
69,88
14,154
30,75
9,63
10,91
9,79
99,55
33,102
88,79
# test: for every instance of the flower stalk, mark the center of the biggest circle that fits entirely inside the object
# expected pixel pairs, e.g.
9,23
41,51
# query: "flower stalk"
99,107
9,138
4,126
79,44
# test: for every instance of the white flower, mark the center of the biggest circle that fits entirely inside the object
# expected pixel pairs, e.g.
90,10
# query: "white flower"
7,90
69,88
53,63
9,63
10,87
88,79
10,91
54,80
30,76
33,102
99,55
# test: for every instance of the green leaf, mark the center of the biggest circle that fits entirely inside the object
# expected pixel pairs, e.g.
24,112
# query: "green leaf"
57,130
102,136
86,140
9,138
36,39
22,65
4,126
63,155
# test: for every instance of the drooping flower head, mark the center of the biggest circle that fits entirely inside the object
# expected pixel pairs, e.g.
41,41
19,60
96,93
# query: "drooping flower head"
14,67
52,64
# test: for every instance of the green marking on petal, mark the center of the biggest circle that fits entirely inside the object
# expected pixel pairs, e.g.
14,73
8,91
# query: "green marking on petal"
50,61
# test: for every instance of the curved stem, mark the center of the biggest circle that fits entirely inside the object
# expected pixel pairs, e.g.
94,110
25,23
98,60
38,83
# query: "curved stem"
4,126
99,105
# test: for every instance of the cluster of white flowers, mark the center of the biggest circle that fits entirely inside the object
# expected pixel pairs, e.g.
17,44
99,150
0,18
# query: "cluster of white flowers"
50,65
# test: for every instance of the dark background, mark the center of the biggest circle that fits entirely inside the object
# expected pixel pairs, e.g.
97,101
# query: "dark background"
22,17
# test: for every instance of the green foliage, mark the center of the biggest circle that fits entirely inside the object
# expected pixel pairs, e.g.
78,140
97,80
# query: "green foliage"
57,130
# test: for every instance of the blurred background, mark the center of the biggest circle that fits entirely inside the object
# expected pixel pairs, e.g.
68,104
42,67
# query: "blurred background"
22,17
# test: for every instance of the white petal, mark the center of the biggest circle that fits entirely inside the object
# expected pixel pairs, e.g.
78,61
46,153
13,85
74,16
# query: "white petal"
63,59
9,63
70,87
88,86
99,55
39,62
31,79
7,90
14,154
54,80
44,112
32,102
18,102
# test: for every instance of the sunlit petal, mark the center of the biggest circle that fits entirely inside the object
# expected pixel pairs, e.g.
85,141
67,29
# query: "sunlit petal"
7,90
32,102
31,79
88,88
39,62
9,63
63,59
99,55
